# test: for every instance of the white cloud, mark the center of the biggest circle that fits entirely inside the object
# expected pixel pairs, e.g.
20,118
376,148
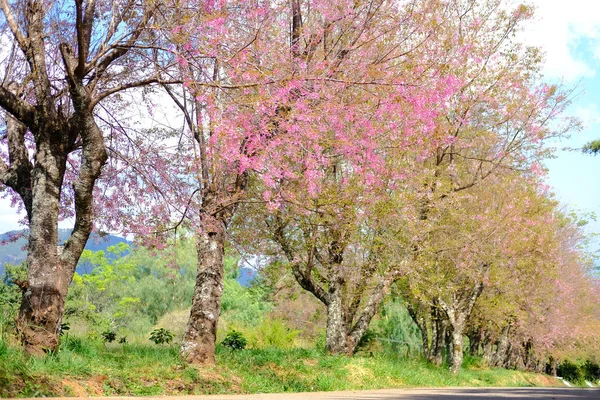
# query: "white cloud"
569,32
588,114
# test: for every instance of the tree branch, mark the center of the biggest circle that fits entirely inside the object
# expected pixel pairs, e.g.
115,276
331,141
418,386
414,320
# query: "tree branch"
84,26
17,107
120,50
23,41
303,278
101,96
372,306
309,284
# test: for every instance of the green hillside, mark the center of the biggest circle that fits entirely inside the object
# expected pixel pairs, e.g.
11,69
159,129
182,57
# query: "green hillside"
14,251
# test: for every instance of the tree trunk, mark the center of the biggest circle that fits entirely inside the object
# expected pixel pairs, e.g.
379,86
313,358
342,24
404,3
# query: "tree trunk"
439,326
457,349
201,332
458,311
475,340
501,356
515,358
457,320
552,367
336,332
48,278
50,270
488,350
530,360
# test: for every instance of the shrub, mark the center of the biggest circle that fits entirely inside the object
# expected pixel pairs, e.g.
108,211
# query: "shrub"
109,336
571,372
235,340
402,336
591,371
273,333
161,336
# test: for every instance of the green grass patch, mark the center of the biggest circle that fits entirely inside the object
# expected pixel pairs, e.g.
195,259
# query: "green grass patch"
86,367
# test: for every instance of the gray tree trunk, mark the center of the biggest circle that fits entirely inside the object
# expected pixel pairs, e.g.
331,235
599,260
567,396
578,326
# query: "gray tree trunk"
343,333
201,332
488,351
457,348
475,340
48,278
500,357
49,272
336,335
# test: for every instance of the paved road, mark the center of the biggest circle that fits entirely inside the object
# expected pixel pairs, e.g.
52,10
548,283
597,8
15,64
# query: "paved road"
401,394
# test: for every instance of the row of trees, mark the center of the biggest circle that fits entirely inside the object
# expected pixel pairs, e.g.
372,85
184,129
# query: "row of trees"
363,142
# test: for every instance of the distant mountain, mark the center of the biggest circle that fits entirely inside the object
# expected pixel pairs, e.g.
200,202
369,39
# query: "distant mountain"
13,252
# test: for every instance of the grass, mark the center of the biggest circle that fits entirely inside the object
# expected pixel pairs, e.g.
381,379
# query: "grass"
91,368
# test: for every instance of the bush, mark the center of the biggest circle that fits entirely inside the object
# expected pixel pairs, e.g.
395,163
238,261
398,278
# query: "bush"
161,336
401,336
571,372
591,371
235,340
273,333
109,336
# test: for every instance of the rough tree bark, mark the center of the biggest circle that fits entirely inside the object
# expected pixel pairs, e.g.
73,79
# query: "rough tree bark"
220,193
476,338
344,328
488,349
198,344
50,271
439,324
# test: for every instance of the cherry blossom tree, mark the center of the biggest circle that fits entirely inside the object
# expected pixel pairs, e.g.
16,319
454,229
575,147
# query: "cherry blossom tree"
499,122
292,108
349,125
323,190
61,62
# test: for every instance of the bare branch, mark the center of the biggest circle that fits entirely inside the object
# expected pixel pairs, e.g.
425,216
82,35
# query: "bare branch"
23,41
84,26
131,85
121,50
17,107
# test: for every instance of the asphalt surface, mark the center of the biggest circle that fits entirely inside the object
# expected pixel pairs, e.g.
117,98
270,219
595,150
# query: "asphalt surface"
401,394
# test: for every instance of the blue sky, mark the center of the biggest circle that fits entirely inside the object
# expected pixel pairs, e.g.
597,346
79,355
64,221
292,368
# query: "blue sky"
569,33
